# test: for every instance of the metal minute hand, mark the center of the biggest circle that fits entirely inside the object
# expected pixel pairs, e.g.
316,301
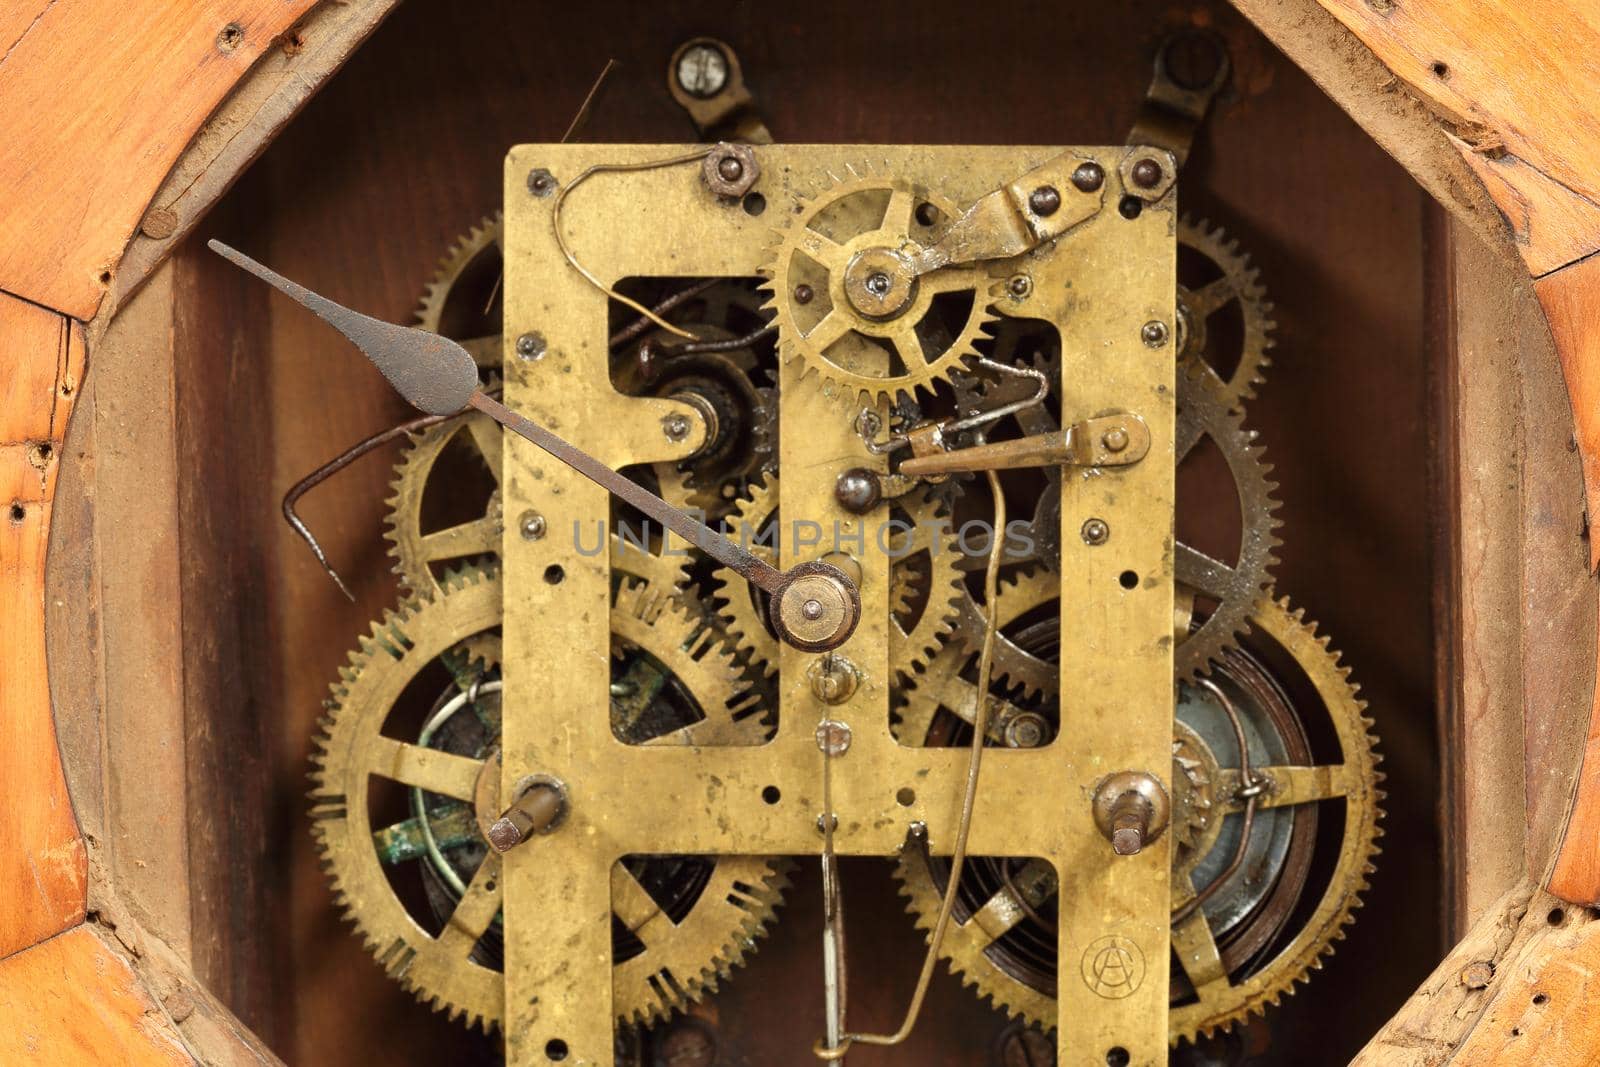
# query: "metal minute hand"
814,606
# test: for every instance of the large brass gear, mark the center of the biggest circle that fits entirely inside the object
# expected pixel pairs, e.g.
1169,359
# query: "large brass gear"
421,553
924,579
1226,589
861,357
1218,987
1224,277
1229,590
674,945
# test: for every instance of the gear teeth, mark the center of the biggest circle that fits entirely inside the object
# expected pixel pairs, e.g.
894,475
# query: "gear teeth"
461,989
838,382
1286,626
1244,282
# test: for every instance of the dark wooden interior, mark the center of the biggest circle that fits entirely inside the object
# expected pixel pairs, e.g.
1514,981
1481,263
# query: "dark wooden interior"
402,152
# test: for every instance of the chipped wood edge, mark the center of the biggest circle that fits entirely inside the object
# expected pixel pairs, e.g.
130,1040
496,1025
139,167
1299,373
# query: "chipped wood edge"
260,105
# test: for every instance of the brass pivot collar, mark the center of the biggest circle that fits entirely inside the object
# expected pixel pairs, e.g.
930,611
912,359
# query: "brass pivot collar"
816,609
1132,809
540,807
880,283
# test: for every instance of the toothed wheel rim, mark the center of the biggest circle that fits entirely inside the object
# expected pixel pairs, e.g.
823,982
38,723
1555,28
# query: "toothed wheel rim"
682,960
1238,283
860,357
1219,1003
1232,589
420,553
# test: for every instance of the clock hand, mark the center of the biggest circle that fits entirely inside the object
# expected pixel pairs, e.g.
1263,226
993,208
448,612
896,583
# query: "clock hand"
814,606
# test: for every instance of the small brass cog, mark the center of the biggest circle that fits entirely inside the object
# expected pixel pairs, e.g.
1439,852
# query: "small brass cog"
1213,988
846,304
1223,277
923,585
717,908
453,451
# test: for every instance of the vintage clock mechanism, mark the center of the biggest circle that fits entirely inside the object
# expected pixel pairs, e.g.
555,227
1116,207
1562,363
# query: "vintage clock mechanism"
845,511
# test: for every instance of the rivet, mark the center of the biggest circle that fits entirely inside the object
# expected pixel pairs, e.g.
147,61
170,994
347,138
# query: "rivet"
1044,200
531,346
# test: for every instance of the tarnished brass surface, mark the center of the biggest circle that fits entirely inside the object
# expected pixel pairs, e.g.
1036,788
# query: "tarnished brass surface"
1100,282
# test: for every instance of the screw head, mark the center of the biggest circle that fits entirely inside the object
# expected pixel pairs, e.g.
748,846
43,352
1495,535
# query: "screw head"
833,737
858,490
532,525
803,293
702,70
676,427
1088,176
1147,174
541,182
1154,333
1025,731
1095,532
1020,286
1044,201
531,345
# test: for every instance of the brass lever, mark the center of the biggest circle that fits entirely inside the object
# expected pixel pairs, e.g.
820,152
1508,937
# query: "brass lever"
1116,440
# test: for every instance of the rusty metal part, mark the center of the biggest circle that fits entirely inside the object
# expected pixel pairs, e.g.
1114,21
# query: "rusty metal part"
701,923
1191,67
1216,279
334,466
730,170
871,331
1116,440
705,78
1228,973
1131,808
433,373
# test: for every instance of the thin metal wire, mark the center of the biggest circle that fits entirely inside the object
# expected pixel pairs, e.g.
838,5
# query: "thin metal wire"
383,437
572,260
868,423
958,856
430,844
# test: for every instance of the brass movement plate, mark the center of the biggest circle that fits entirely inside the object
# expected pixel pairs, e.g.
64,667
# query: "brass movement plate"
1099,284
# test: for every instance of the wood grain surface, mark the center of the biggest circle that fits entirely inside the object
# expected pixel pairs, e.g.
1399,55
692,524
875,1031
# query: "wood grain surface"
1515,85
42,872
1571,300
1513,990
71,1000
97,100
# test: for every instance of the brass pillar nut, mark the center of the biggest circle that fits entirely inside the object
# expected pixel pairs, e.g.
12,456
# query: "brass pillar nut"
1148,173
730,170
1132,809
